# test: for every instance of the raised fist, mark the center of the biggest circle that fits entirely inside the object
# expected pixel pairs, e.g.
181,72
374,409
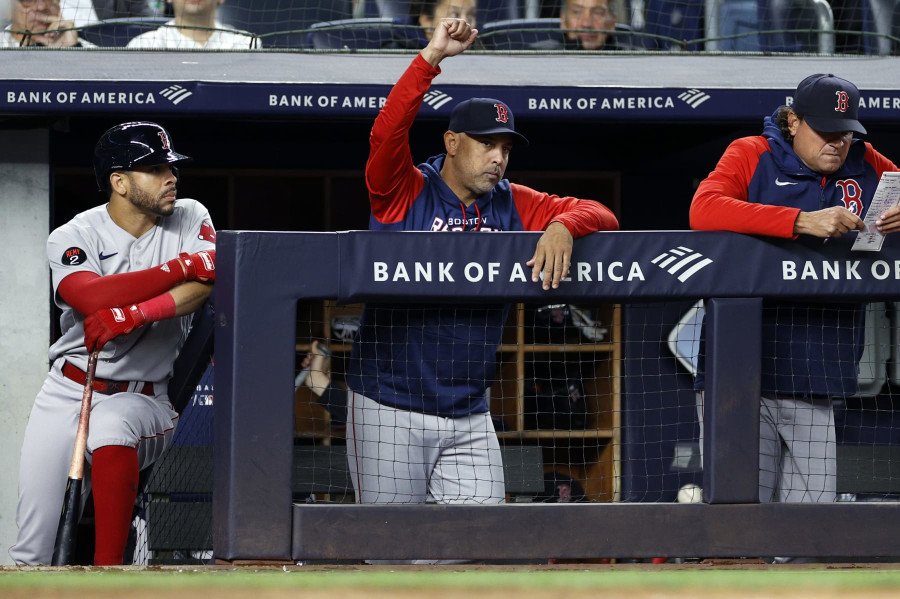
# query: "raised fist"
200,266
104,325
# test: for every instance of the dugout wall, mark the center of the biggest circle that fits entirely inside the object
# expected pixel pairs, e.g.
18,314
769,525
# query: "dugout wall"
256,294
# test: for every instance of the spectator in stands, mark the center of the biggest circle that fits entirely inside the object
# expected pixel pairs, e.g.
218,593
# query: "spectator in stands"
806,177
195,27
426,13
596,15
39,23
83,12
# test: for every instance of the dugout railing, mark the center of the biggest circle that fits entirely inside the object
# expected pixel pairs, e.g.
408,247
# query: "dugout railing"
262,275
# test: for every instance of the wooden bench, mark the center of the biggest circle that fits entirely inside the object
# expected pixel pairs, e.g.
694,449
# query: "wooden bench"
179,512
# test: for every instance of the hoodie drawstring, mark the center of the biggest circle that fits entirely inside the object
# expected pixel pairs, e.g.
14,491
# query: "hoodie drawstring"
477,216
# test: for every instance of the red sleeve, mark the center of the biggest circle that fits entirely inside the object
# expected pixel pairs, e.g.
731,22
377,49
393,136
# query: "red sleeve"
88,292
537,210
878,161
392,178
721,201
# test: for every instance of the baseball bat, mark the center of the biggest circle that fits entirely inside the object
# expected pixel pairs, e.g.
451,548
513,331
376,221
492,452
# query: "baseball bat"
64,548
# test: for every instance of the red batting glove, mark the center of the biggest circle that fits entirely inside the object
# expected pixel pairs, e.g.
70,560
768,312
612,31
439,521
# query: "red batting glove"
104,325
200,266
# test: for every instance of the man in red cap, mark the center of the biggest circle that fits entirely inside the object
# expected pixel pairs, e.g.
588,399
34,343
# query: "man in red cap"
806,176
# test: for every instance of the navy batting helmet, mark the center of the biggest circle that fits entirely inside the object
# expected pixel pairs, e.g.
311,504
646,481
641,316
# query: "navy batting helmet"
130,145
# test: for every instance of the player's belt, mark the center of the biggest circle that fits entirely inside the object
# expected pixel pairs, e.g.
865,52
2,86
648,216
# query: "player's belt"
105,386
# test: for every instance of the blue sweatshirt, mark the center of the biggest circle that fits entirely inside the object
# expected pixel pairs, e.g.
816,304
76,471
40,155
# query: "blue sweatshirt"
759,187
440,359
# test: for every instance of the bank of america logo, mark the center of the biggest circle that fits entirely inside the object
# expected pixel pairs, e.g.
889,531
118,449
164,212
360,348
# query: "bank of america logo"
436,98
682,260
693,97
176,93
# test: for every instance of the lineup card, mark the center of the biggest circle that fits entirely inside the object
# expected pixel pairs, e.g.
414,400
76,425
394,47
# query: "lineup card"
886,196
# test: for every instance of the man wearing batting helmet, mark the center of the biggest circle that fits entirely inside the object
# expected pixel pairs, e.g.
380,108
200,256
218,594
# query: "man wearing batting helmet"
806,177
127,275
419,424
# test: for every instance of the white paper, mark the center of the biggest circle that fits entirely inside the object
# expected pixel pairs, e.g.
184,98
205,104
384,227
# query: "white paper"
886,196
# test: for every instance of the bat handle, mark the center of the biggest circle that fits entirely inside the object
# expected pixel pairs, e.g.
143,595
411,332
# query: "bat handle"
76,469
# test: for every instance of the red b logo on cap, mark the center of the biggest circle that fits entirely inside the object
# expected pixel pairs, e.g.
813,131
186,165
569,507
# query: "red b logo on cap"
842,100
502,115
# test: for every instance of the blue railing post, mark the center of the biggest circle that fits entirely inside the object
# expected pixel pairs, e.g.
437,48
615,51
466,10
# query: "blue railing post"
731,401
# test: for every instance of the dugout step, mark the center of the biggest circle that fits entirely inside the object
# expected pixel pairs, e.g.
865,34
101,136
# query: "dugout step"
179,512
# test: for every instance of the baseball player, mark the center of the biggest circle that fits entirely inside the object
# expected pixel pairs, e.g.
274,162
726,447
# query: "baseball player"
418,421
807,176
126,275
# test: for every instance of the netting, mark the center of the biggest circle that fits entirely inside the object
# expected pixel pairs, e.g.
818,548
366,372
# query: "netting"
770,26
590,403
554,404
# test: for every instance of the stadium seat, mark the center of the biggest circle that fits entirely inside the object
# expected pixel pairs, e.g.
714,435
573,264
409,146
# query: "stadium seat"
387,8
361,34
537,34
118,32
520,34
739,17
677,19
280,23
488,10
881,17
778,15
498,10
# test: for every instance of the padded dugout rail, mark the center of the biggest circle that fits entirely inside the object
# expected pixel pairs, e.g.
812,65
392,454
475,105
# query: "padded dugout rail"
253,517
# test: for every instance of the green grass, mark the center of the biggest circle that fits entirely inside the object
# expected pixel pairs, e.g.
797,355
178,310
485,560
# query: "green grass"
856,579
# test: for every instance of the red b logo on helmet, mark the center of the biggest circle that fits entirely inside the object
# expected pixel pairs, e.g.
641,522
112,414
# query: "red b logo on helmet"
502,114
165,139
842,101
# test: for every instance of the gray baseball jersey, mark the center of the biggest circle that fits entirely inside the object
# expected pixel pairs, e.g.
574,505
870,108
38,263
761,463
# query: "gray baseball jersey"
93,242
136,417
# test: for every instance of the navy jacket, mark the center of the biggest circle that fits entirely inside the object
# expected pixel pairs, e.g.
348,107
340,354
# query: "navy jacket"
759,187
440,359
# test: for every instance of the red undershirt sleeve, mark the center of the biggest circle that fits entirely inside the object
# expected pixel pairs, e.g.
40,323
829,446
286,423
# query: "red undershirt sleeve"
879,162
721,201
160,307
537,210
88,292
392,179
